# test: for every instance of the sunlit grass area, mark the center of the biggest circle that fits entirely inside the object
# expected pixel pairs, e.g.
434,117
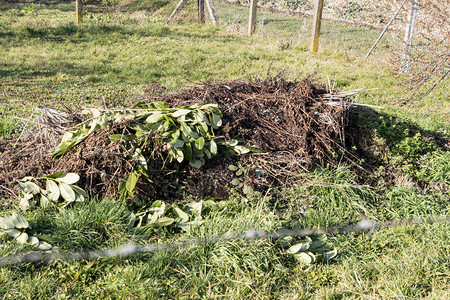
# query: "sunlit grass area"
48,61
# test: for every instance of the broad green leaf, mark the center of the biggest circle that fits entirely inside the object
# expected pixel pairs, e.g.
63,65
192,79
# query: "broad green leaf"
182,216
306,258
194,208
298,247
188,225
115,137
29,187
19,221
141,161
79,190
69,178
285,242
216,121
122,186
23,202
210,105
156,211
5,224
180,112
235,181
160,104
194,135
154,117
177,143
232,143
247,189
188,152
8,221
131,181
207,153
44,246
33,241
197,163
141,104
13,232
53,190
164,221
79,197
55,175
185,129
213,147
205,127
198,153
329,255
22,238
66,192
232,168
140,128
200,143
179,155
240,172
319,241
44,201
241,149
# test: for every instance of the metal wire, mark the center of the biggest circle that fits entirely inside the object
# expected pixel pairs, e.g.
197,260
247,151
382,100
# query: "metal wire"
132,249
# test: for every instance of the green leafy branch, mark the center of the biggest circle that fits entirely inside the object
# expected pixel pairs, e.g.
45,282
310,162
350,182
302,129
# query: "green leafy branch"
185,134
59,187
162,215
15,226
308,250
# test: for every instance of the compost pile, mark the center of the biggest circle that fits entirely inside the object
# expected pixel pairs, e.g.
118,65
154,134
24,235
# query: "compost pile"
292,125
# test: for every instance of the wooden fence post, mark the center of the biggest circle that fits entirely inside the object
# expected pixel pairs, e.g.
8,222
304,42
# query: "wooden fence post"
201,11
79,10
316,26
252,18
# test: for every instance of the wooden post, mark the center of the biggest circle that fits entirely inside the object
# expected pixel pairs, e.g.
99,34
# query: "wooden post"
79,10
201,11
252,18
316,26
212,11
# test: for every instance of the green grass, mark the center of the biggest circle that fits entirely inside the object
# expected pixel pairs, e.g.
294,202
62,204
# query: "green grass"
46,60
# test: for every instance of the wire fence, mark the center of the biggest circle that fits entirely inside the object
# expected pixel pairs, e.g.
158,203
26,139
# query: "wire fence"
133,249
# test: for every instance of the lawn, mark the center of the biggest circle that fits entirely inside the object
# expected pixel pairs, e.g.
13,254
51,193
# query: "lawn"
118,52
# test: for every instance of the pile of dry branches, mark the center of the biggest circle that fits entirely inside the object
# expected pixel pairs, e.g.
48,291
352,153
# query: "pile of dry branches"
292,125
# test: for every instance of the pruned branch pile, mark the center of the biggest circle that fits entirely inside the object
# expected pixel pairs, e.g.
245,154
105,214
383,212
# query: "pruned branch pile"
292,125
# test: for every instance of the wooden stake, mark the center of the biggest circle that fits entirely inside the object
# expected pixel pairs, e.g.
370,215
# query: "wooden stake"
316,26
201,11
180,6
252,17
79,10
212,11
